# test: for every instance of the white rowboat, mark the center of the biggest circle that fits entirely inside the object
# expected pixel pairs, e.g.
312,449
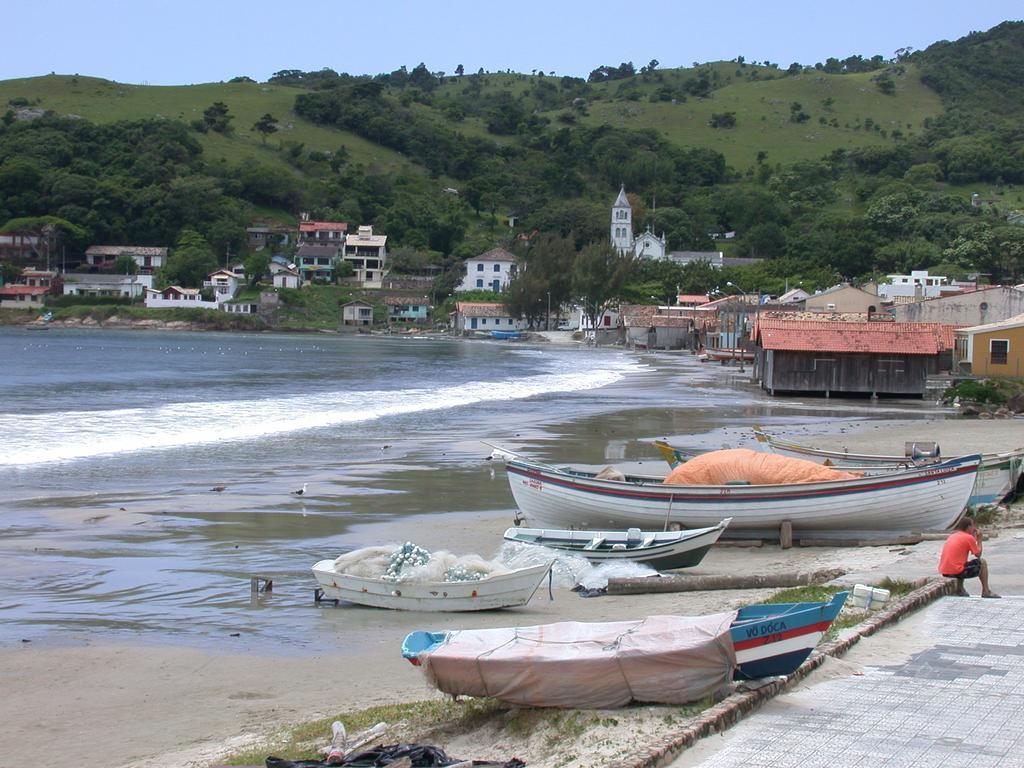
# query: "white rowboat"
506,590
663,550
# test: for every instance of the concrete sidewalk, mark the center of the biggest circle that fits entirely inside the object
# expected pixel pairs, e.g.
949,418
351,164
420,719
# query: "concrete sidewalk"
943,688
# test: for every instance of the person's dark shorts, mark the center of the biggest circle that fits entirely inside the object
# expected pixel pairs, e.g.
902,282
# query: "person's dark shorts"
971,570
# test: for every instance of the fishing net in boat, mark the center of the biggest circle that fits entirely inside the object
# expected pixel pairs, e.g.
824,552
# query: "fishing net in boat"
659,659
410,563
754,467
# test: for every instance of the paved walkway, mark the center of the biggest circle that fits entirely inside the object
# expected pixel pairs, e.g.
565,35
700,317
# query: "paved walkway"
947,689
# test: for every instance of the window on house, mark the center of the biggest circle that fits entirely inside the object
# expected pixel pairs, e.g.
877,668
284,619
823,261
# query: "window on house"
497,267
480,283
483,321
983,306
479,267
999,351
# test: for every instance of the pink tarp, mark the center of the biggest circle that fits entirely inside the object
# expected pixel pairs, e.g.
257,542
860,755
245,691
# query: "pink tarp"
660,659
754,467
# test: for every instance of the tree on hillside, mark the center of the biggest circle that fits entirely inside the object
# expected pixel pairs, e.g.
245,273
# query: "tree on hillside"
52,232
460,70
256,265
190,261
217,118
598,276
265,126
125,264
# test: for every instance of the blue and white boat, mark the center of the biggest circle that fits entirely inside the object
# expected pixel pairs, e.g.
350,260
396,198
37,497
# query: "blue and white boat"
659,659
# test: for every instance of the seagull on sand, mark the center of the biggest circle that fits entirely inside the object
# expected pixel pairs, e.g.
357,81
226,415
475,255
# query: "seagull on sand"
218,488
301,491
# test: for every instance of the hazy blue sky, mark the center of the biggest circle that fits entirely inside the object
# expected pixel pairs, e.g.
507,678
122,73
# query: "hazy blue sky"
186,41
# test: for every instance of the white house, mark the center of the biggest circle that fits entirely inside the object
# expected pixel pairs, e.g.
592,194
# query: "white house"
224,284
357,312
793,296
490,271
175,296
322,232
918,284
367,253
130,286
287,278
483,316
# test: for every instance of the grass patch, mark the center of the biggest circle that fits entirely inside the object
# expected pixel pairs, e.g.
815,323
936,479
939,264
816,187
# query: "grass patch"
987,514
849,616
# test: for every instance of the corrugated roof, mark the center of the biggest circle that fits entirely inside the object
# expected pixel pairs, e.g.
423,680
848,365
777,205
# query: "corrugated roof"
881,338
1011,322
480,309
117,250
401,301
496,254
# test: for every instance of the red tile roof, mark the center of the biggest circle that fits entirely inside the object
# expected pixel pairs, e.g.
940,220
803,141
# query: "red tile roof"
314,226
882,338
691,298
24,290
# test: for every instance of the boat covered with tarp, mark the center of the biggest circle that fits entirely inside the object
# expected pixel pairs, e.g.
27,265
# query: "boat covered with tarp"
598,665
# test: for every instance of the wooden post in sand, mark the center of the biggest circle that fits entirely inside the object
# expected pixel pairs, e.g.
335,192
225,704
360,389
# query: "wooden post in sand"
786,534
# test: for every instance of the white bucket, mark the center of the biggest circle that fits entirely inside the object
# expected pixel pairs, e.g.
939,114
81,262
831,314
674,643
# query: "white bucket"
868,597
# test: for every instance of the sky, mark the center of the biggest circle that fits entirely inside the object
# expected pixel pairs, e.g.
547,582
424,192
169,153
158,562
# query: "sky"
186,41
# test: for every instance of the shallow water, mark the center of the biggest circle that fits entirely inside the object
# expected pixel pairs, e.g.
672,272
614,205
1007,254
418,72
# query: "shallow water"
112,442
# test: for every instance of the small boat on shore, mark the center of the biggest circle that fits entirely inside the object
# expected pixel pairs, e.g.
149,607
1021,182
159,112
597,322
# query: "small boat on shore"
662,550
725,354
927,498
500,590
659,659
998,474
507,335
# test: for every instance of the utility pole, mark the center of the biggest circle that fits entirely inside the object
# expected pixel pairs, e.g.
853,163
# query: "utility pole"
547,320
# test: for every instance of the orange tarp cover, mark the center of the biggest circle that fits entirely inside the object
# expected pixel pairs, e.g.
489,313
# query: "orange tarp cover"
754,467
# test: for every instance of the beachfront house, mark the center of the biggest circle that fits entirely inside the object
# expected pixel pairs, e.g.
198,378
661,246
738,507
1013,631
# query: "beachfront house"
106,285
490,271
483,316
223,283
367,253
839,358
407,309
176,297
147,259
665,327
357,312
16,296
993,349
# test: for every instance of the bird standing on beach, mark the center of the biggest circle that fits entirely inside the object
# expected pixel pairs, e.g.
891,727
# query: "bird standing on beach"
301,491
218,488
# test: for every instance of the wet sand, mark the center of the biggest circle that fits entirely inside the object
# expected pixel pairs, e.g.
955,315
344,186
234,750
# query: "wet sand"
122,703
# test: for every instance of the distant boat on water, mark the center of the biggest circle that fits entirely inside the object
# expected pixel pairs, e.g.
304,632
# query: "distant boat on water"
505,334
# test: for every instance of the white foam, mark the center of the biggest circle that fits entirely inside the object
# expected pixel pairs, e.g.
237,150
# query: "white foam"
54,437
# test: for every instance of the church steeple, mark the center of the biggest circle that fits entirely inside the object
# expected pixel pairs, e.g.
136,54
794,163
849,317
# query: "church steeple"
622,222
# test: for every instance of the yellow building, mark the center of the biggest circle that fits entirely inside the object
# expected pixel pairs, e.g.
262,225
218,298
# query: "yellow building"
994,349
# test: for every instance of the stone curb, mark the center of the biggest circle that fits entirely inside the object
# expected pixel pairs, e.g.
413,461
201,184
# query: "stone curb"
733,708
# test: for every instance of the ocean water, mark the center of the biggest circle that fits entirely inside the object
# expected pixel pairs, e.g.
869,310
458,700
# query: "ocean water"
112,443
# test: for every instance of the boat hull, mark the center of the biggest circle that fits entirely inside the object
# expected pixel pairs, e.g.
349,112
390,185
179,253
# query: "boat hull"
920,499
666,551
507,590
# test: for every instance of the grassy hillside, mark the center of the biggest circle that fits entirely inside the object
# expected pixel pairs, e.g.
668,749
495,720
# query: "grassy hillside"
762,109
103,101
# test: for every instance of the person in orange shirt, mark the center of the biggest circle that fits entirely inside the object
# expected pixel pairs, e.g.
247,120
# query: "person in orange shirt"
953,562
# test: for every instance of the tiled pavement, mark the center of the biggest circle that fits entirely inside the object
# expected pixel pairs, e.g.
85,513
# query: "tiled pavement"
959,702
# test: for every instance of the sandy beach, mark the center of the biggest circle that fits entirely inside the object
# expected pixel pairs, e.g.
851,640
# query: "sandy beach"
134,705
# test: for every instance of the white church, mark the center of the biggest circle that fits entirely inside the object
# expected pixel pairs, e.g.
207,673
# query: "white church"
647,246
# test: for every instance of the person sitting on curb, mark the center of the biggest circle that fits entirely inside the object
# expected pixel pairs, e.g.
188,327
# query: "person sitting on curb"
953,563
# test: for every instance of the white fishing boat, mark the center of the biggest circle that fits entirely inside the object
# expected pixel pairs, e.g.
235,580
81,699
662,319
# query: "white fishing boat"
500,590
662,550
998,474
928,498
